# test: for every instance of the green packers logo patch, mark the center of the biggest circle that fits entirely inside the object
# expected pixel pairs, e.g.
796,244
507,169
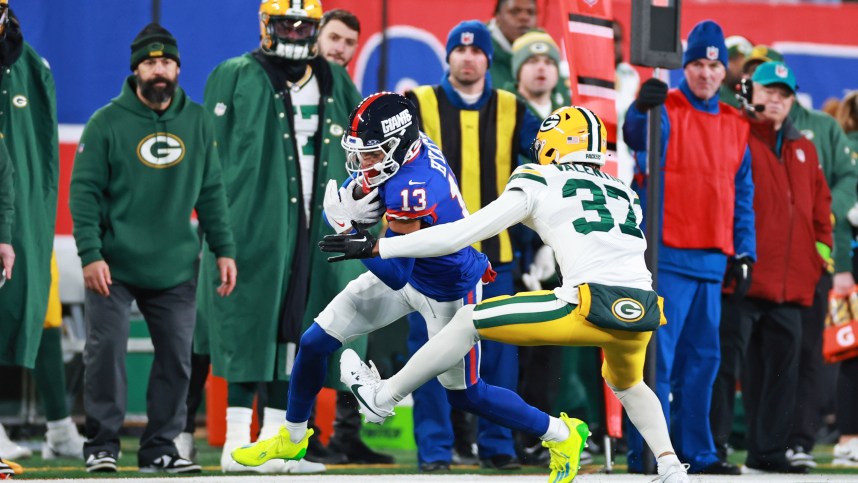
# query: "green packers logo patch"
161,150
20,101
628,310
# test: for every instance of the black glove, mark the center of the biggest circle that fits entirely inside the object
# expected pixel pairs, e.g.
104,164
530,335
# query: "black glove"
739,271
653,93
353,245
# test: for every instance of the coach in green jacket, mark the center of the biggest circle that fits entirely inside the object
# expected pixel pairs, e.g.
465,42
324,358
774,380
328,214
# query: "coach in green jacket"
145,162
28,109
279,115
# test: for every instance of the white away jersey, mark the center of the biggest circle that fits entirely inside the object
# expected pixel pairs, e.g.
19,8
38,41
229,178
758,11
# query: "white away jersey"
590,219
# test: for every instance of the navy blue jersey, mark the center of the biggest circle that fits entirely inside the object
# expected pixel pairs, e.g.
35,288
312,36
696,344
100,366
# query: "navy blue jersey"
426,189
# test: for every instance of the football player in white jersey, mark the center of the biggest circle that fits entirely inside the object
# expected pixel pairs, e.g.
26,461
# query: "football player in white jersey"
591,220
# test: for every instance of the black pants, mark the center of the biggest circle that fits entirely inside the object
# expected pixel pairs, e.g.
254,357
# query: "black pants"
811,381
847,397
170,315
759,346
539,370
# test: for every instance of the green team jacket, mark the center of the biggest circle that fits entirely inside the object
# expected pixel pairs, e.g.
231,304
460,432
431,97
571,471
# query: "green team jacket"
261,173
840,172
7,194
28,124
136,180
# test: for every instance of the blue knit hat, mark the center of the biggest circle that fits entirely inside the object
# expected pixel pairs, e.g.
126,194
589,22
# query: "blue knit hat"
471,32
706,41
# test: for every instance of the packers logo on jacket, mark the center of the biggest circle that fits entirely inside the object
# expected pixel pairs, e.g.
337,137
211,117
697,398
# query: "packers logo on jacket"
161,150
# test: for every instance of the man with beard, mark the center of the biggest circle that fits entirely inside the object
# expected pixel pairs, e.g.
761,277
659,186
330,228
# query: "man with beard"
481,131
145,162
279,114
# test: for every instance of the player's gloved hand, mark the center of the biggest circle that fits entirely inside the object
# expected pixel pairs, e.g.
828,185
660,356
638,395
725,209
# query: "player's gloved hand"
739,271
341,206
351,245
653,93
542,268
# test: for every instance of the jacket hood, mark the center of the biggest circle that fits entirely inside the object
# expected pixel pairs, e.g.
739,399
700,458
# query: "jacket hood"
128,100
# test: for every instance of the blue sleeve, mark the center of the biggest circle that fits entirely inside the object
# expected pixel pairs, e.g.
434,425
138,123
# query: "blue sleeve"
635,128
744,234
529,128
394,272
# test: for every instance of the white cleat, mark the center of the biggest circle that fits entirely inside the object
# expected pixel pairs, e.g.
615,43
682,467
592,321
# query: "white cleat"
303,467
846,455
12,451
675,473
363,381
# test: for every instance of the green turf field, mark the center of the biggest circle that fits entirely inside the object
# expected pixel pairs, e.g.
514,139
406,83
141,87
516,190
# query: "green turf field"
406,463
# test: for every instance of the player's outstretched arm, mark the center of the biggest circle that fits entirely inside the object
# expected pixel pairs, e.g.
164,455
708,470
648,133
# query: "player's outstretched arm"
509,209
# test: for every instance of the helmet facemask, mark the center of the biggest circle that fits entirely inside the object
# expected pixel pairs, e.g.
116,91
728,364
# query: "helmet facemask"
289,37
376,172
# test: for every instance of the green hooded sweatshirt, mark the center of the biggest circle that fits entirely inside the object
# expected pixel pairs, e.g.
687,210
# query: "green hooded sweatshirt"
136,180
840,172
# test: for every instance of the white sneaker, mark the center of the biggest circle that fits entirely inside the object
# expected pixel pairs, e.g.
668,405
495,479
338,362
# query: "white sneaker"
10,450
675,473
846,454
798,456
63,442
363,381
185,446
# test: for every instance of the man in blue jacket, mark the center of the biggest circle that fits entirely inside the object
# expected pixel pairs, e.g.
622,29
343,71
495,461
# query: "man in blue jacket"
707,221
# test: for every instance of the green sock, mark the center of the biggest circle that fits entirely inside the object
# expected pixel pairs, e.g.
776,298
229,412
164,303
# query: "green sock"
50,375
240,394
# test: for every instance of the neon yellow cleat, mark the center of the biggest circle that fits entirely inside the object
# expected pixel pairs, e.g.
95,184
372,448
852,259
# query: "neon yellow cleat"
277,447
566,455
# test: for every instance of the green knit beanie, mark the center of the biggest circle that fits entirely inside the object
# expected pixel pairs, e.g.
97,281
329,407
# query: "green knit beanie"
153,41
535,42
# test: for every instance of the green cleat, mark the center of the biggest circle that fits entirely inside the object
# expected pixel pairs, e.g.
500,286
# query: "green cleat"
277,447
566,455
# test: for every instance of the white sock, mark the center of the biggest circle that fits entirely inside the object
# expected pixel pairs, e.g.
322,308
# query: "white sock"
444,350
644,411
60,423
272,420
237,426
666,461
557,430
384,398
296,430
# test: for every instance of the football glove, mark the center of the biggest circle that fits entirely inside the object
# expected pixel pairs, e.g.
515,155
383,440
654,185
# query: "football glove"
542,268
739,271
341,207
351,245
653,93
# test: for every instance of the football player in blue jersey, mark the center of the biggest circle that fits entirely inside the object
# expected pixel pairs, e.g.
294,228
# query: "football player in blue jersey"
392,161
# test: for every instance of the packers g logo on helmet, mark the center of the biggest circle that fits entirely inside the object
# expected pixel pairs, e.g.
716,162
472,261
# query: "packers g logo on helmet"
288,28
570,134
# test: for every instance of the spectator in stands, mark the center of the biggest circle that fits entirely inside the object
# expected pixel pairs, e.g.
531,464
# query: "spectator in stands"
133,233
512,19
31,149
462,116
283,144
846,449
707,217
763,321
338,36
738,48
759,54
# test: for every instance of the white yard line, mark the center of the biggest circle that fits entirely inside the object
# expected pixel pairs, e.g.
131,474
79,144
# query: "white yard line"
594,478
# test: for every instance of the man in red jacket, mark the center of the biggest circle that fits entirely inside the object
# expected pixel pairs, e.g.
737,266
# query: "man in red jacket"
761,332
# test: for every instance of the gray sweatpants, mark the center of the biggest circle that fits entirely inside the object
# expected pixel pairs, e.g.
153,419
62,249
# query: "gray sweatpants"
170,315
